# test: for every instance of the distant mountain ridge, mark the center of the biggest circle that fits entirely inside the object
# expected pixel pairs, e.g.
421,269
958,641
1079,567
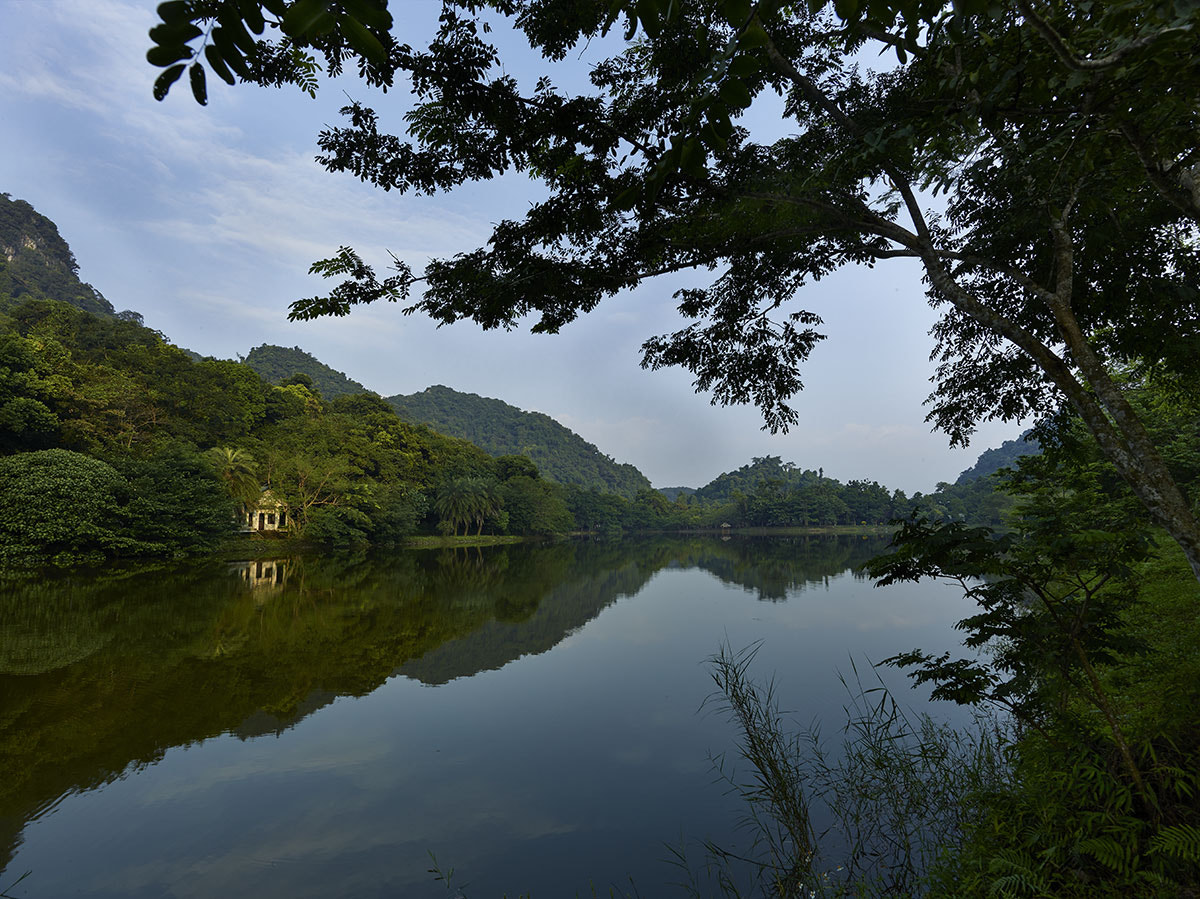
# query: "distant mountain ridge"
560,454
276,363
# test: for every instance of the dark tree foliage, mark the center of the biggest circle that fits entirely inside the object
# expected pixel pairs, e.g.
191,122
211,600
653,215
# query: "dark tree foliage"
1100,800
1063,135
772,493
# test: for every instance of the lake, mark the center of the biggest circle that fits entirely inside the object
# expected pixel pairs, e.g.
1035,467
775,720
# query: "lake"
532,716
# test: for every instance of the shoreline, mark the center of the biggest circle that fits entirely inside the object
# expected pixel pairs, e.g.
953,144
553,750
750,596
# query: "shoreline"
241,547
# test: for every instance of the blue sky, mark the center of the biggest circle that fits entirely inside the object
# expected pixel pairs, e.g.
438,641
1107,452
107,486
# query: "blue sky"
205,220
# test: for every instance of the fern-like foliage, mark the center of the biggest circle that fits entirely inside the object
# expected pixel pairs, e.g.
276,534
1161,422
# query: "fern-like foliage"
1181,842
1016,876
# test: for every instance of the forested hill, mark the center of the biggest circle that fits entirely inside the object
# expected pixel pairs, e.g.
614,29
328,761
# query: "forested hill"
770,470
37,264
559,453
276,363
1003,456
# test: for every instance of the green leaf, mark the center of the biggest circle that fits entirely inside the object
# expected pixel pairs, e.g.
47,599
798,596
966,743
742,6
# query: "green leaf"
736,12
213,55
718,120
745,64
306,18
164,56
711,139
647,12
371,13
230,53
252,15
735,94
175,11
627,198
847,10
232,24
162,84
362,40
691,157
754,36
173,33
199,90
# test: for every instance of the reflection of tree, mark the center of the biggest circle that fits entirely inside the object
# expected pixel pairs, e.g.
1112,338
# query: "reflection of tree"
774,567
105,671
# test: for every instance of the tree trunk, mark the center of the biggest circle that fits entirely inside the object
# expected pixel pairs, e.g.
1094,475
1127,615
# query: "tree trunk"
1107,414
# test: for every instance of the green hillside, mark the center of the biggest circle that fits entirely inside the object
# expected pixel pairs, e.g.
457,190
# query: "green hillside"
559,453
37,264
277,363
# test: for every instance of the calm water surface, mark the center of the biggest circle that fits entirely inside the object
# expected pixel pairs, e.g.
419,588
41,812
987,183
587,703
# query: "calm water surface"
530,715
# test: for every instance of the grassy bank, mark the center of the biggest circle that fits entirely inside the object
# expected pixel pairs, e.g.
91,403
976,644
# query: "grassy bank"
271,546
438,542
257,546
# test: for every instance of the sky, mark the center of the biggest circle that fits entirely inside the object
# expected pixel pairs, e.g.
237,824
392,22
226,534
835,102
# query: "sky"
205,220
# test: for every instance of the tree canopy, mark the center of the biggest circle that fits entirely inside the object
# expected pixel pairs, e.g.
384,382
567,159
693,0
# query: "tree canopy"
277,364
1062,135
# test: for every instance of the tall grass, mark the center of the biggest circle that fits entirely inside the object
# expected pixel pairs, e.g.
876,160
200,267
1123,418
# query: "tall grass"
869,815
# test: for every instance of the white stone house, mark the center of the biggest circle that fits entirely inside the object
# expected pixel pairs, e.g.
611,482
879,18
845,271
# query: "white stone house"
268,514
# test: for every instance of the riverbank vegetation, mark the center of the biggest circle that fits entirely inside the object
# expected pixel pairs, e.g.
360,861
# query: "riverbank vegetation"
1081,777
1075,784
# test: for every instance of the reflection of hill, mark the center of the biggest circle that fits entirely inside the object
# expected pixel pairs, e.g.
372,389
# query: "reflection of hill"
770,566
559,612
101,673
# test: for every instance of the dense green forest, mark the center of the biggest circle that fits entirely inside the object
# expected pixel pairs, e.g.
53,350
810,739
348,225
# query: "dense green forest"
1004,456
559,453
118,444
114,443
277,364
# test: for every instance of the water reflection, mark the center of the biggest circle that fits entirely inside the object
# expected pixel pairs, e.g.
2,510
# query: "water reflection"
101,674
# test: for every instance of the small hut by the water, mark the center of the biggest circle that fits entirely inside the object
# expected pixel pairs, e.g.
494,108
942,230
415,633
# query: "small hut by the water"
269,513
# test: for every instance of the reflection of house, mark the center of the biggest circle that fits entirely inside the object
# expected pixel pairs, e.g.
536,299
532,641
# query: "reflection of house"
265,576
263,573
268,514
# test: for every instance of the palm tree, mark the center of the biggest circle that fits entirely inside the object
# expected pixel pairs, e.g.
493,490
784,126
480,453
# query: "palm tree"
467,500
239,472
452,503
483,501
